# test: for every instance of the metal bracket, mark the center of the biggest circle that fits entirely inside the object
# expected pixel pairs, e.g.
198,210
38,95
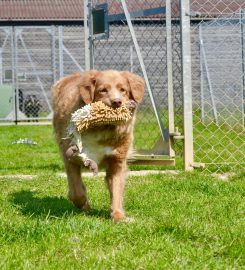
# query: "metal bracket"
176,135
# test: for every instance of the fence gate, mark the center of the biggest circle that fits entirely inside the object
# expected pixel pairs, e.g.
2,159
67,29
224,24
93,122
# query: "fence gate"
130,37
219,85
27,70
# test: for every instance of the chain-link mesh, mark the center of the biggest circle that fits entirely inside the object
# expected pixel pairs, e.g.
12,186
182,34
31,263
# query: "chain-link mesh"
70,53
26,73
31,60
33,67
218,84
118,52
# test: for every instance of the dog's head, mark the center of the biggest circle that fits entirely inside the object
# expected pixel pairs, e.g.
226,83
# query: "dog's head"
114,88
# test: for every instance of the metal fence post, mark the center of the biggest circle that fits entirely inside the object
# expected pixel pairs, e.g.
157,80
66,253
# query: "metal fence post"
170,77
88,37
61,51
186,83
14,72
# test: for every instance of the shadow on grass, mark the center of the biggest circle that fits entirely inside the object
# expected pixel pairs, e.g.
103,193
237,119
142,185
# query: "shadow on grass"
29,204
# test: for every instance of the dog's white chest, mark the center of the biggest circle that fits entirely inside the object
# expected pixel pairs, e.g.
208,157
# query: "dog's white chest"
93,149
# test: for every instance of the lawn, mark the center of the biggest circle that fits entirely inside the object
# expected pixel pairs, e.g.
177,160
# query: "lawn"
28,159
183,221
188,221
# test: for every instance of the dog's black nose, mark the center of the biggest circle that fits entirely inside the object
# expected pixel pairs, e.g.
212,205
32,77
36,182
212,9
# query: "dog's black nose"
116,103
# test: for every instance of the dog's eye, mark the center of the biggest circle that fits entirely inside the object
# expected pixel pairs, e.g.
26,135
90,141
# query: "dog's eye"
123,90
104,90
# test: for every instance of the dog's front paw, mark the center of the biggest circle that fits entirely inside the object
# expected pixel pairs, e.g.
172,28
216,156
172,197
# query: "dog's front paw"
117,216
72,151
131,105
92,165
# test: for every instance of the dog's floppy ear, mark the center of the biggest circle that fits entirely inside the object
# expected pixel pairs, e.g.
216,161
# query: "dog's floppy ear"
137,85
87,86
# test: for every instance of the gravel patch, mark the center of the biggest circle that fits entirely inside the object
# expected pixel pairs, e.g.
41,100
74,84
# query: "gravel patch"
17,176
130,173
89,174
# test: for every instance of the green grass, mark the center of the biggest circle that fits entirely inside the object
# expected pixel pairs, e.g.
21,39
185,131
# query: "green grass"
189,221
22,158
185,221
221,148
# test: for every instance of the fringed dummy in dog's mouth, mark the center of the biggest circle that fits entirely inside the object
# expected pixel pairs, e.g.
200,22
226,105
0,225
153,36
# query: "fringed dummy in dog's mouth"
91,116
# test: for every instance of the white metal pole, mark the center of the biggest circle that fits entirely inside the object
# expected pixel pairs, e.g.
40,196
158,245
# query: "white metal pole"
186,83
61,58
170,77
86,36
13,67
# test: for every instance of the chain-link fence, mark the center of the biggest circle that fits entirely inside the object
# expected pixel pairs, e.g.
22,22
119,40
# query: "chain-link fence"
32,58
26,73
218,84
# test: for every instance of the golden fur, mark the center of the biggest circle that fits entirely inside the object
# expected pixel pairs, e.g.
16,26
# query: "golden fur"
109,145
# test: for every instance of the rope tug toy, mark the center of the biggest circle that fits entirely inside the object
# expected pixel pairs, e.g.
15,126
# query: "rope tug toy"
91,116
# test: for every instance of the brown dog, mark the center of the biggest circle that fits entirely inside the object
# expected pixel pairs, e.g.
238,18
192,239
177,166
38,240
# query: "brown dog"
108,145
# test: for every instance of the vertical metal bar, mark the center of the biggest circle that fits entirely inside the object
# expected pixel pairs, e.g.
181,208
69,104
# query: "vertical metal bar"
137,48
88,35
170,77
186,83
243,67
91,38
61,56
14,72
53,52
